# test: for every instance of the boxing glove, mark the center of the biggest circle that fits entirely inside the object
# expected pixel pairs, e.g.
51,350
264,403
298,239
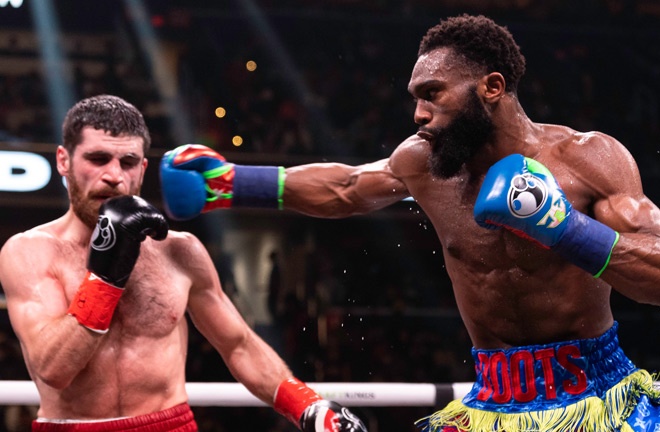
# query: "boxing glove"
521,195
310,412
328,416
123,223
195,179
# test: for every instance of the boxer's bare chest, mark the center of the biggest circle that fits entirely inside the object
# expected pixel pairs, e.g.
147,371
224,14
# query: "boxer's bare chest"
449,204
154,299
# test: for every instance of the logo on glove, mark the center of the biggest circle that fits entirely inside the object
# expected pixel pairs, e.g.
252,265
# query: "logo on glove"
527,195
103,237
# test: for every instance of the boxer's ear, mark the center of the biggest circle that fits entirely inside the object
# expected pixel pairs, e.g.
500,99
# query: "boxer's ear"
63,160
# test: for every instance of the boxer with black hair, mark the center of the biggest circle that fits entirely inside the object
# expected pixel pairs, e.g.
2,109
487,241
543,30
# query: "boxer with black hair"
538,223
98,299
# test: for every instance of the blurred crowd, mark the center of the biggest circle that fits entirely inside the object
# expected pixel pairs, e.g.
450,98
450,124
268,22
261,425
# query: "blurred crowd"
331,77
330,82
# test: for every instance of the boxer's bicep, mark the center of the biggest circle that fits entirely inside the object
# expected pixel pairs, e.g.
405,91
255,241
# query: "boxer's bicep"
627,214
216,317
634,266
210,309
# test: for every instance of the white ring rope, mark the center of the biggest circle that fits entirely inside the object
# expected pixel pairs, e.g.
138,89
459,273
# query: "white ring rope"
234,394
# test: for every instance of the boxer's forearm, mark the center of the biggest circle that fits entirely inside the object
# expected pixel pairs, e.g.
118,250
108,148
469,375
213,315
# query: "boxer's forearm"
60,350
634,267
258,367
332,190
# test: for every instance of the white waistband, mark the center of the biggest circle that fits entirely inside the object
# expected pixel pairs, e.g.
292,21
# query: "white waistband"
65,421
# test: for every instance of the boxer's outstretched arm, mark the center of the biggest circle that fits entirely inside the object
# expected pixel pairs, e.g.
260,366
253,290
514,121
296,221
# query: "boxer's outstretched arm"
333,190
195,179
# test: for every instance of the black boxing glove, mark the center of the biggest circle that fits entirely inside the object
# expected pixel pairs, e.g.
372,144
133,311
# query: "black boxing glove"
123,223
310,412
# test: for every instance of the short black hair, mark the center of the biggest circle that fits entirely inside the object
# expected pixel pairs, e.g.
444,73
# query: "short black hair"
481,41
108,113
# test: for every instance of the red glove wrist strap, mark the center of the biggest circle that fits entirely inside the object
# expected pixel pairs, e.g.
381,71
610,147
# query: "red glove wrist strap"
292,397
94,303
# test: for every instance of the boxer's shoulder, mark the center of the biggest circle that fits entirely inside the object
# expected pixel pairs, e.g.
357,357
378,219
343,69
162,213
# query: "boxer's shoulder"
178,247
410,158
39,245
177,241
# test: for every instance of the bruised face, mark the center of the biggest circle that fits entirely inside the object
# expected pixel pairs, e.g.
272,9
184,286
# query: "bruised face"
451,116
100,167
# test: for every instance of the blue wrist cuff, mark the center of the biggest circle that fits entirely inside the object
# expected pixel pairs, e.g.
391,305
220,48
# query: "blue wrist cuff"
587,243
258,186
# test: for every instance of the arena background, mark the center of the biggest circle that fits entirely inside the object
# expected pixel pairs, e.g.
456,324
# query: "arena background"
364,299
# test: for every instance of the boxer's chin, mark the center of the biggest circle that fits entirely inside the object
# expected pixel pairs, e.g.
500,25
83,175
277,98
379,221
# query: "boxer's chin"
87,212
445,167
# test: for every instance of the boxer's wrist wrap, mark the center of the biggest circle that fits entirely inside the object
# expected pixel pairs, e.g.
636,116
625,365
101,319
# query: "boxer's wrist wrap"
253,186
587,243
94,303
292,397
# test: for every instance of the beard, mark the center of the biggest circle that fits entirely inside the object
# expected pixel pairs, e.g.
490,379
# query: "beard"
85,207
458,142
87,210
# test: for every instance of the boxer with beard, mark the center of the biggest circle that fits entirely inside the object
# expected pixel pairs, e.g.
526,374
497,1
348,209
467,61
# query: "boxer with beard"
98,299
532,265
460,140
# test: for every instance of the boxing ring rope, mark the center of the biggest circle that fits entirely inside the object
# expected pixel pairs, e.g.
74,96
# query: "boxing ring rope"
235,394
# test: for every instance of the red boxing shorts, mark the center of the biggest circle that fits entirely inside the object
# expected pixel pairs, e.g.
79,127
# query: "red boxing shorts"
176,419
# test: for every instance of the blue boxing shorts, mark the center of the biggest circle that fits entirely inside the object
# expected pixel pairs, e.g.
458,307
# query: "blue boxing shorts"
582,385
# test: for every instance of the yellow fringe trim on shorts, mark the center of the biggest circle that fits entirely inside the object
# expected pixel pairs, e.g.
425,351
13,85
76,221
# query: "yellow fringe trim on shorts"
591,414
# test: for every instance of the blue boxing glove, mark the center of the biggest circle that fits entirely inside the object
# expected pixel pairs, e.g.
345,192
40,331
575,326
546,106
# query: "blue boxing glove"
521,195
195,179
